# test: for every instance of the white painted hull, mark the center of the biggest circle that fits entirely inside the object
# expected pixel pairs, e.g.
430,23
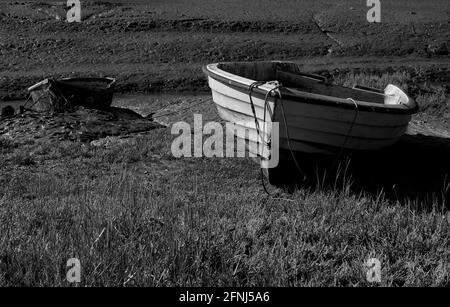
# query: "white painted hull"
312,128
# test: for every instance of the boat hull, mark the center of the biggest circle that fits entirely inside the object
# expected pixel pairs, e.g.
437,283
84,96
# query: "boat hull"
61,95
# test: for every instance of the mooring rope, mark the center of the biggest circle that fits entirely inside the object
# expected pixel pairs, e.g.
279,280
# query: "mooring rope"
341,151
250,91
276,90
297,165
353,122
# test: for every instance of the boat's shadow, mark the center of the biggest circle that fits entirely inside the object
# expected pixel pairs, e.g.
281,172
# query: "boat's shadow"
416,170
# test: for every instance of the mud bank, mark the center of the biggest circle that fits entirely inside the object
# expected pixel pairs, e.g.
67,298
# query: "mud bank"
160,47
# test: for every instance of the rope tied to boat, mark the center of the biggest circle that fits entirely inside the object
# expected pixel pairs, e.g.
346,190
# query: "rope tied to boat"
250,91
344,144
276,93
353,122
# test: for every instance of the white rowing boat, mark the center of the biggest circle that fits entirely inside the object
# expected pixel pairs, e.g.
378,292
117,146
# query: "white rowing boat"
314,116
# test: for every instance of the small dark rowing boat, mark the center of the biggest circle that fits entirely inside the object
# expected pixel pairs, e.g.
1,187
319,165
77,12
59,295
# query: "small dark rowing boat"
52,95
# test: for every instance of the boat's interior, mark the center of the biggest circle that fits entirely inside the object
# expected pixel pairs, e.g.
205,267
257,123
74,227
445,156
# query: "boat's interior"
94,84
290,75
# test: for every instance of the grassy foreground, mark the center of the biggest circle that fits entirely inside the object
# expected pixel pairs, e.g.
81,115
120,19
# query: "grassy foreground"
134,215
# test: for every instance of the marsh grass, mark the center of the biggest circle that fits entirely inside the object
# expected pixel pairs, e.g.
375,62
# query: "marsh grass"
435,103
136,216
134,220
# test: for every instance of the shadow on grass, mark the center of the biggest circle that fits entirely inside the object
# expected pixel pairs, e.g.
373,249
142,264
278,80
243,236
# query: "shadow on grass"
416,171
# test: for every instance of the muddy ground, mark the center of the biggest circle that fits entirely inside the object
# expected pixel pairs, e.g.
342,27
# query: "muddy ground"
161,46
